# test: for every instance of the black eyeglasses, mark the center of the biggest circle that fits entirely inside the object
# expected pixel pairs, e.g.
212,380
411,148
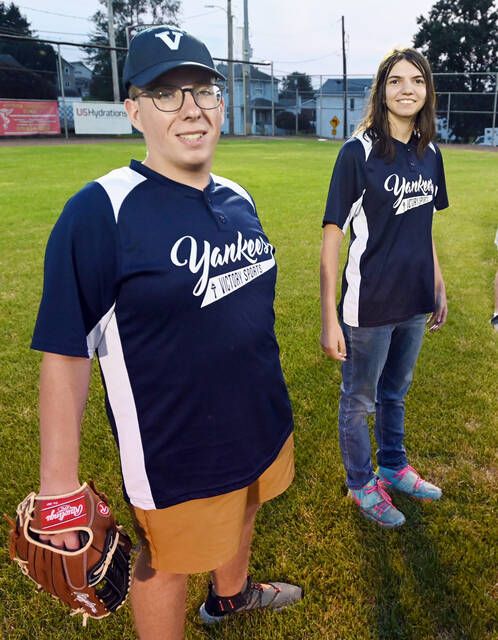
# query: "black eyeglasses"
170,98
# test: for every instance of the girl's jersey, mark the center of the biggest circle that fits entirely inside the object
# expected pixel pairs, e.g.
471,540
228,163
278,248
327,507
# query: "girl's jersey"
173,287
389,273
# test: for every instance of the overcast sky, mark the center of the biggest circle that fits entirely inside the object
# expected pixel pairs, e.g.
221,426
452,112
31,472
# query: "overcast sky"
301,35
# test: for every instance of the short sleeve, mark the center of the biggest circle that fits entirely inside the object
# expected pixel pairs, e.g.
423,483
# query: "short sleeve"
80,276
346,185
441,199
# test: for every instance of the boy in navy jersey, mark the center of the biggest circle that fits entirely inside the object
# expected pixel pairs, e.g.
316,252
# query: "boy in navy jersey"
164,271
387,182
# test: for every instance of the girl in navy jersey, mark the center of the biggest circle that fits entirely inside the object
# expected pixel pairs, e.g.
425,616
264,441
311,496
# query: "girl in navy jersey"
387,182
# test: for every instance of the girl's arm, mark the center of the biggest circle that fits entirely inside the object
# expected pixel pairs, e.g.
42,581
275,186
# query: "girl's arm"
332,338
438,318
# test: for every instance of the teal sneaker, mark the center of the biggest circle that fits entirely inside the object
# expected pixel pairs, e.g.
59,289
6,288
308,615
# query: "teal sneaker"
375,504
408,481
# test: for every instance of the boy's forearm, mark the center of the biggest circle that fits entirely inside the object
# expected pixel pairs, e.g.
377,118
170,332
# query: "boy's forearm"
63,392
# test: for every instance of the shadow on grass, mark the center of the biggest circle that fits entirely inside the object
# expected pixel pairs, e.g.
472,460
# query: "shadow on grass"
410,585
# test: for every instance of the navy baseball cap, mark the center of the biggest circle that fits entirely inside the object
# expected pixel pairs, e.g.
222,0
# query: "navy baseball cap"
156,50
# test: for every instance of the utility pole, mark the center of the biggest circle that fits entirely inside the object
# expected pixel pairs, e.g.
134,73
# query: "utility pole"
231,88
246,72
114,60
345,83
297,109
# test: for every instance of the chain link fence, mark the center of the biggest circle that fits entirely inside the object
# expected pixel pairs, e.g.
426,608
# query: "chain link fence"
37,74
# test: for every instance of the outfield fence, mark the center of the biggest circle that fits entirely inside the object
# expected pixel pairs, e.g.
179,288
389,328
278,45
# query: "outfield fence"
35,74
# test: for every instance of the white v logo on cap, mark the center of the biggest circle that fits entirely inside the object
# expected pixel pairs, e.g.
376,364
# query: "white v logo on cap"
165,37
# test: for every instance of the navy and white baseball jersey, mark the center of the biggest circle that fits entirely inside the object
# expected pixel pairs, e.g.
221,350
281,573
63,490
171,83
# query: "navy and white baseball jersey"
173,287
388,206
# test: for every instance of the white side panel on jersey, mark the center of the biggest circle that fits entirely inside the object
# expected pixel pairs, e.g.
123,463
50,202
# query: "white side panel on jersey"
355,209
118,184
234,187
105,336
124,410
95,336
367,144
351,301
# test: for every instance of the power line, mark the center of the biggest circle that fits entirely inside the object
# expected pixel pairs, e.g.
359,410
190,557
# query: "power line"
328,55
63,33
199,15
53,13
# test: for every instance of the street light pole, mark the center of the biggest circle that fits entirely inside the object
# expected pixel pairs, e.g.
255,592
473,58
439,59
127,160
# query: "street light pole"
114,60
230,74
231,84
246,72
345,83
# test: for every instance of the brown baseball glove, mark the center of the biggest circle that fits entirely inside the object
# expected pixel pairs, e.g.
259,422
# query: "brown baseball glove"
94,580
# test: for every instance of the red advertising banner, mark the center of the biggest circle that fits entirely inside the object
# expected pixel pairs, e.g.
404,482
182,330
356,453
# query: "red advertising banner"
25,117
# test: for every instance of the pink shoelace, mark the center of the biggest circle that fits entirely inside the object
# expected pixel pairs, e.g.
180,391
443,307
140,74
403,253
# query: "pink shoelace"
385,502
402,473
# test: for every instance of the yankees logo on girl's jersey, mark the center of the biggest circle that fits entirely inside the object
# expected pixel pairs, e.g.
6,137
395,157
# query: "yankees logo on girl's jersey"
388,207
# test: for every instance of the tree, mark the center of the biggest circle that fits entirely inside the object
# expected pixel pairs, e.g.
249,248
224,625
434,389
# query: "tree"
461,36
126,13
299,81
286,119
36,75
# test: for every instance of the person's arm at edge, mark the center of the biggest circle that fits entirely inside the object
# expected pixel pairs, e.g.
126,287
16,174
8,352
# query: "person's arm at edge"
332,338
64,382
438,318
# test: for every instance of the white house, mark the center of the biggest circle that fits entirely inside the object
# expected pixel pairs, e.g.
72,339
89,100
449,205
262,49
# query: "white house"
330,106
261,91
82,78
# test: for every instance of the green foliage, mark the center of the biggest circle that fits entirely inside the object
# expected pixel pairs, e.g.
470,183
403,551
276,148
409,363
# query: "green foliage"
126,13
431,580
462,36
299,81
38,78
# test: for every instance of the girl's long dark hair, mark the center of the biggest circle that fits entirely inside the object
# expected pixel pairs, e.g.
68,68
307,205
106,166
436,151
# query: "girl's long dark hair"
376,124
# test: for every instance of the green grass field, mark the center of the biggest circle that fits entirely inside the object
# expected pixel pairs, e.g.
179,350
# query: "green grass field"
434,579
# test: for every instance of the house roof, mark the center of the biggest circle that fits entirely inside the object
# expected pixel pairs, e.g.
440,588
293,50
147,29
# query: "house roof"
334,86
80,64
254,72
260,102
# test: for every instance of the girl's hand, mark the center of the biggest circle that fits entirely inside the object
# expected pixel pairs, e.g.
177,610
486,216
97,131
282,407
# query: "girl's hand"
333,343
438,318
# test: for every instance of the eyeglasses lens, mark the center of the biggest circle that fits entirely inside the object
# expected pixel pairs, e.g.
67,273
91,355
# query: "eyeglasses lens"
171,98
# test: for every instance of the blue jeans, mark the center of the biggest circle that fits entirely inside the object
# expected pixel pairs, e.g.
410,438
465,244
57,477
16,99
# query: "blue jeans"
376,377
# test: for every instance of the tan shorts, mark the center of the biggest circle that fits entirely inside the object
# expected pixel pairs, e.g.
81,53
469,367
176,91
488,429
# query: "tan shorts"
200,535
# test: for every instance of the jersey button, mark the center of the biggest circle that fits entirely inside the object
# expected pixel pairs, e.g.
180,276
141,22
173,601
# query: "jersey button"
222,219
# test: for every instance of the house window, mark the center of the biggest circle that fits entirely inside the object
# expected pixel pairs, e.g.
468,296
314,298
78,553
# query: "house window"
351,104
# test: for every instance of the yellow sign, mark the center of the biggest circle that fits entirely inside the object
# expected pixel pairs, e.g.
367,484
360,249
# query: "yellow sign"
335,122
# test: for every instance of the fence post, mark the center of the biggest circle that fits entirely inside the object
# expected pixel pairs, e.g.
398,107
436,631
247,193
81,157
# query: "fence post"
297,117
61,81
448,118
272,102
495,136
